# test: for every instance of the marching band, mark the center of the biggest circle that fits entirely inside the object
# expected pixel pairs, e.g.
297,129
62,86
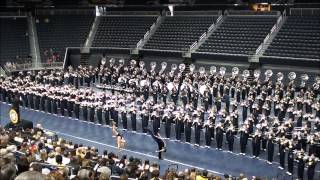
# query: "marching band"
210,103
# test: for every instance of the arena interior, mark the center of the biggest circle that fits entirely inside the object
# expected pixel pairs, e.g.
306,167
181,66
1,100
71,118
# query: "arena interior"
159,89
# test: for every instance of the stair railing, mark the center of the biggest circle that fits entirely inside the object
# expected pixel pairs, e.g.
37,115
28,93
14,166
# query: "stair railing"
202,36
146,35
193,45
139,43
219,18
211,27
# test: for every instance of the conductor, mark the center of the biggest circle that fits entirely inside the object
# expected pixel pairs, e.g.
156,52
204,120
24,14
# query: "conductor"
162,147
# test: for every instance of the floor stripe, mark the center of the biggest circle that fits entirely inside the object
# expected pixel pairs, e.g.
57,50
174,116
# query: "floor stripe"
136,152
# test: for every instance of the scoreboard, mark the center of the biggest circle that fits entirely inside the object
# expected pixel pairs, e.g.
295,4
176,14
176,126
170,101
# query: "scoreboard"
261,7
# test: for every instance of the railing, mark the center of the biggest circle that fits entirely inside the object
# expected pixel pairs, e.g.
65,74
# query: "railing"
91,30
219,18
158,19
211,27
153,26
2,72
146,35
202,36
193,45
30,66
266,39
197,13
305,11
273,29
279,19
259,48
139,43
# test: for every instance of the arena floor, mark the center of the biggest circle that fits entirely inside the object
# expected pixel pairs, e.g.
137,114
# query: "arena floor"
142,146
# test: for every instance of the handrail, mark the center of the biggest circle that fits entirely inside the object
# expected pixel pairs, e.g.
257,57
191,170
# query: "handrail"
211,27
213,53
259,48
193,45
279,19
2,72
163,50
202,36
273,28
146,35
294,58
219,18
267,38
158,19
139,43
153,26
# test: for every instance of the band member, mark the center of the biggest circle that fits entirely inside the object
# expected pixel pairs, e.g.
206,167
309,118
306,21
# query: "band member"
301,164
115,113
177,120
107,114
197,131
99,113
77,109
91,112
155,121
290,158
270,148
162,147
84,111
124,117
133,114
145,119
230,137
244,135
256,142
188,128
282,147
168,121
219,136
49,107
54,105
312,162
69,107
208,133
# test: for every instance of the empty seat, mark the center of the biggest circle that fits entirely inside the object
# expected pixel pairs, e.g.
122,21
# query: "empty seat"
57,32
239,35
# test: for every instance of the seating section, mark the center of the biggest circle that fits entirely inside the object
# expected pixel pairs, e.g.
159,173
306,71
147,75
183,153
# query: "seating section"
57,32
122,31
179,32
14,39
239,35
299,37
